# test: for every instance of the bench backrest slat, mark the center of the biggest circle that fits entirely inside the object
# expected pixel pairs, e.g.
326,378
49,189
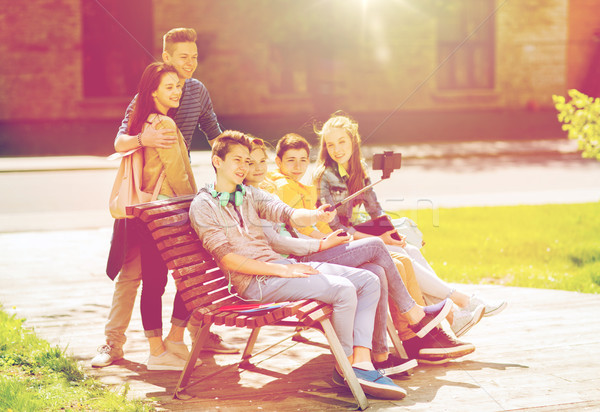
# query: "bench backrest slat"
146,211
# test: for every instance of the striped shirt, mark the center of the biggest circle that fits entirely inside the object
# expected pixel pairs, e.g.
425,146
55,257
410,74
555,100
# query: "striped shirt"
195,110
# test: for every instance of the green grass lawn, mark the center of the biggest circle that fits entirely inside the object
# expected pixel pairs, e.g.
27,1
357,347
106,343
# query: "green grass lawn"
548,246
35,376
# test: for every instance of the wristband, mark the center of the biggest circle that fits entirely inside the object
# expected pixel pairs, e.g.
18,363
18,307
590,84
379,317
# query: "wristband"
139,139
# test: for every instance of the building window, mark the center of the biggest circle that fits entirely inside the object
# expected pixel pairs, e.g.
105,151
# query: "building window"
288,70
471,64
117,46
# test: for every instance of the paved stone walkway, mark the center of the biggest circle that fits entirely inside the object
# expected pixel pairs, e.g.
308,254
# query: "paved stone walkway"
540,353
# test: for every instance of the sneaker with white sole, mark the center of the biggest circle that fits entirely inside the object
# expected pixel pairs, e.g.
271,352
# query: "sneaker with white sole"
464,319
373,383
436,347
106,356
377,385
166,361
491,307
439,341
180,350
394,365
434,314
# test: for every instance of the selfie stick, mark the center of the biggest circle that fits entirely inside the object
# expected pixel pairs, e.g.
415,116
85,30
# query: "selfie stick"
353,195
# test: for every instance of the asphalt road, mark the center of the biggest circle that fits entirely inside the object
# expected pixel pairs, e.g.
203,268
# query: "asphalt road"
71,193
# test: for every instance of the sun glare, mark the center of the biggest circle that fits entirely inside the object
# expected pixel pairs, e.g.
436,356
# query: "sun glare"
365,5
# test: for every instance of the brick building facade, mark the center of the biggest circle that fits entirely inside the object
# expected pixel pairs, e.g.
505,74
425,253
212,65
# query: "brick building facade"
81,59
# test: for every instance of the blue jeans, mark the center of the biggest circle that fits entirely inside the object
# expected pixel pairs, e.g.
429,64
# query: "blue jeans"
352,292
372,254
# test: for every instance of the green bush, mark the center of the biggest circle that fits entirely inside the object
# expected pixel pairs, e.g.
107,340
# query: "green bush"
581,119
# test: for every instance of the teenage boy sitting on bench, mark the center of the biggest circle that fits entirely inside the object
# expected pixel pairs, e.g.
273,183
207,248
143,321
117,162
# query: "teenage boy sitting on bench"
227,216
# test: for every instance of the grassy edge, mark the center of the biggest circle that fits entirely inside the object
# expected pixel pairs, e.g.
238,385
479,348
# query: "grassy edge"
34,375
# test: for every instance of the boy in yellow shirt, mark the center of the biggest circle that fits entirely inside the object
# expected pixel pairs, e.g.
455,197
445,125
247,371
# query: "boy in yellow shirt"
292,161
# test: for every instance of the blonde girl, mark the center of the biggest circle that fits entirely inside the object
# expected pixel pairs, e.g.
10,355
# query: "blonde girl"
341,171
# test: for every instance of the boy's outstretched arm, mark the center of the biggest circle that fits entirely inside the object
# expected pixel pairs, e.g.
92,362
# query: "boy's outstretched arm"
307,217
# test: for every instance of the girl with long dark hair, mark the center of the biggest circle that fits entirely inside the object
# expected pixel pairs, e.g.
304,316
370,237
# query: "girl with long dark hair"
160,90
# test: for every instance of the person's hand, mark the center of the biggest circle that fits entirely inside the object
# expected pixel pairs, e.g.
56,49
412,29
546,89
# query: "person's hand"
160,139
323,215
297,270
389,240
333,240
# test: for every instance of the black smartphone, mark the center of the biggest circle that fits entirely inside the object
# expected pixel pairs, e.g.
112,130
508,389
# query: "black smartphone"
387,162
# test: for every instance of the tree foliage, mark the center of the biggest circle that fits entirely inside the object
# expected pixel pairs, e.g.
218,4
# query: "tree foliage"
581,119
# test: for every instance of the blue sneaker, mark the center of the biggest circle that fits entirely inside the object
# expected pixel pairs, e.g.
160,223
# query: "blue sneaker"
377,385
434,315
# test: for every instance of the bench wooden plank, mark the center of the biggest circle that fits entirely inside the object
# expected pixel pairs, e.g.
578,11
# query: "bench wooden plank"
159,206
197,270
190,252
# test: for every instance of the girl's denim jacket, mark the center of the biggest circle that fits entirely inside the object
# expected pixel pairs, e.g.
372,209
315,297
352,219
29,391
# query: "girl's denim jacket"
333,188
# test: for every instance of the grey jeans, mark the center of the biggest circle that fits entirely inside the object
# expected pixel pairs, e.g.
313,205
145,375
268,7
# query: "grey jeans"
352,292
371,254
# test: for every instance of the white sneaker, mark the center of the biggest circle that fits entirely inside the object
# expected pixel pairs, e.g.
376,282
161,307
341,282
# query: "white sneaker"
106,356
166,361
491,308
465,319
177,348
180,350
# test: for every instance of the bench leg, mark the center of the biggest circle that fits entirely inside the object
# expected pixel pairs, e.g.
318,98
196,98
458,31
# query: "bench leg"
395,339
247,354
342,360
184,378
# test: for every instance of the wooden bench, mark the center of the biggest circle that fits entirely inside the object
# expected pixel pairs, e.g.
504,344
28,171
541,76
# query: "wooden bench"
204,290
